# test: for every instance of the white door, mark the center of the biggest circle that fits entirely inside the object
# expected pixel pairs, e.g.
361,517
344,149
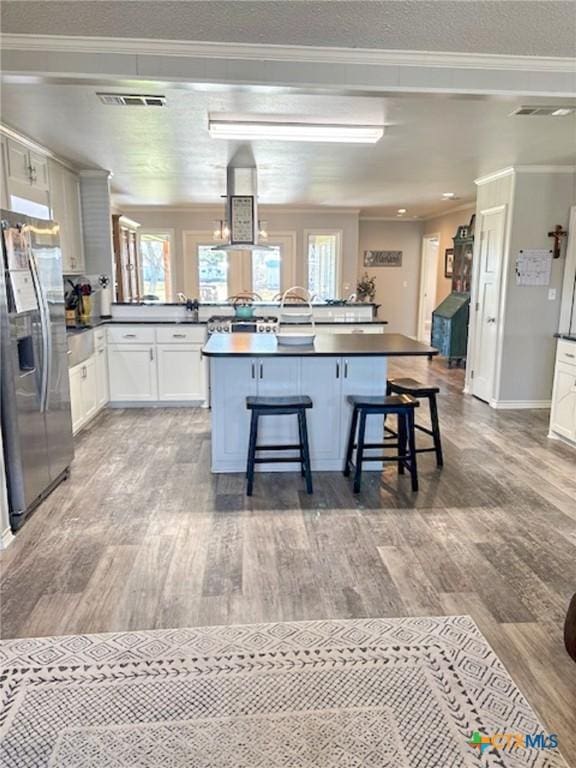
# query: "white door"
89,388
180,372
132,373
428,278
321,379
487,321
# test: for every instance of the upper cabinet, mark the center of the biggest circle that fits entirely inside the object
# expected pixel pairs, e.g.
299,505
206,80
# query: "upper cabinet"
65,203
27,166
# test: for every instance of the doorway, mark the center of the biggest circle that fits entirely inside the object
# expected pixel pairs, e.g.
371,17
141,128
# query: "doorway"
487,319
428,280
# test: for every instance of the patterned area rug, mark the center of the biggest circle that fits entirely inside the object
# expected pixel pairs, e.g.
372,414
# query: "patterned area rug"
385,693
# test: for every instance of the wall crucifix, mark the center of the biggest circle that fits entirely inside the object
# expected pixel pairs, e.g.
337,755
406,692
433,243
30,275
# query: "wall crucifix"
557,234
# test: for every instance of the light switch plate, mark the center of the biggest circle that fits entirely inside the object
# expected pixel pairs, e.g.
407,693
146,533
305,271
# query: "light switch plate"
552,294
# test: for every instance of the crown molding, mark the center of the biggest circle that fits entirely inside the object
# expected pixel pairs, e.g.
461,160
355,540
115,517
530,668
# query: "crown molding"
21,138
396,219
218,210
284,53
494,176
447,211
513,169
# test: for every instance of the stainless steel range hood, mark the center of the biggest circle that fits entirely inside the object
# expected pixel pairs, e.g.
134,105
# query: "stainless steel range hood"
241,181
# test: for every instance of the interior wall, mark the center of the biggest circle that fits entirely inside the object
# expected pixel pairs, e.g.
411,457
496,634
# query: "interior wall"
180,220
397,288
445,226
541,200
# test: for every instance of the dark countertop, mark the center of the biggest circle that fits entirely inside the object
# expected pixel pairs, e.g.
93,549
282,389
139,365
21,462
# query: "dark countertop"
565,336
139,321
224,303
337,345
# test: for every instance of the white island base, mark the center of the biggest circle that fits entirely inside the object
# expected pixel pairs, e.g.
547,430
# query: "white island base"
327,380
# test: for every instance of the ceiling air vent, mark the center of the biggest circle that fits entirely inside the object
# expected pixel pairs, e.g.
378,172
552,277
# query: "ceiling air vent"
131,100
536,111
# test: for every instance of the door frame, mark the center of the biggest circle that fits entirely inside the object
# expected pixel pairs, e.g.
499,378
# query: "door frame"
501,284
423,274
172,239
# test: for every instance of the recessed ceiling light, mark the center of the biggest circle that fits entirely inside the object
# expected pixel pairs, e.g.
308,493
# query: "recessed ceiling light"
245,130
448,195
401,211
562,112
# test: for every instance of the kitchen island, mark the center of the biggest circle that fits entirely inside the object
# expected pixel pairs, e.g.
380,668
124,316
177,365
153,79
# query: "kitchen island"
335,366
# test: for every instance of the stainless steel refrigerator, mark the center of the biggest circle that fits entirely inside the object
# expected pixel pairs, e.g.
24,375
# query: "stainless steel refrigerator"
34,385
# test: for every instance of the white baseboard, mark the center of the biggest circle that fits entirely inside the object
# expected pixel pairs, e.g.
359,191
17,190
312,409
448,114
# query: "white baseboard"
118,404
6,538
518,405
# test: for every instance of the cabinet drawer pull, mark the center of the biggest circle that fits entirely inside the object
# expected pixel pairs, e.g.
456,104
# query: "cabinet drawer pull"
129,335
337,370
151,354
569,354
261,370
179,335
346,369
253,371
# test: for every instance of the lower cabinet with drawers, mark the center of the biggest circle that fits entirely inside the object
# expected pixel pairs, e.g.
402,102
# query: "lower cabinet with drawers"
156,364
563,414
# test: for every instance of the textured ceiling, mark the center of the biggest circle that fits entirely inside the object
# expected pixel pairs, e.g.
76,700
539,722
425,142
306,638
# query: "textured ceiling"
529,27
166,156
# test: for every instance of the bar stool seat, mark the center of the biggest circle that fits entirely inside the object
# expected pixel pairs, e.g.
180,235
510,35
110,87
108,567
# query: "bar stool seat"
286,405
414,388
401,406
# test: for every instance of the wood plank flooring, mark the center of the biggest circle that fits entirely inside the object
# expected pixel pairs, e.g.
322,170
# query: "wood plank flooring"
143,536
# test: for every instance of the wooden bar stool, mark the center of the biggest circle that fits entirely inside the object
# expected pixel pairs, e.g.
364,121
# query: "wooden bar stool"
400,405
295,405
421,391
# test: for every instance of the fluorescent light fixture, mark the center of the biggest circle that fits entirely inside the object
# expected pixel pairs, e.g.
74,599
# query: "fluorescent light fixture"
562,112
244,130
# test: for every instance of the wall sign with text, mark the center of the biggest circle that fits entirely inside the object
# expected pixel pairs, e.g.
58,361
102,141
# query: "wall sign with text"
382,258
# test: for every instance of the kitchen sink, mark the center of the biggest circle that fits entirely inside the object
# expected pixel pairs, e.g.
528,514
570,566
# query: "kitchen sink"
80,346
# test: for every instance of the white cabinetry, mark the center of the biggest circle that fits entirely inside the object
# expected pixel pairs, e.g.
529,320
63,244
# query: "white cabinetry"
161,364
327,380
132,373
83,393
563,415
65,205
26,166
101,363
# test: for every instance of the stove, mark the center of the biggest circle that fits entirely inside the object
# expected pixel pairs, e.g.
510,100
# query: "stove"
231,324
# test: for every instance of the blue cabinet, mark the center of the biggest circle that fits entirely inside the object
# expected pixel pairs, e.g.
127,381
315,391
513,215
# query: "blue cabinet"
450,327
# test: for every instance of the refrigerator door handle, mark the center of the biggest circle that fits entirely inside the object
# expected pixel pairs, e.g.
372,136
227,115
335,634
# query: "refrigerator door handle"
46,335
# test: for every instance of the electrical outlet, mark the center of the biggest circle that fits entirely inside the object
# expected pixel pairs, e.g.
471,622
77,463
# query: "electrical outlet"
552,294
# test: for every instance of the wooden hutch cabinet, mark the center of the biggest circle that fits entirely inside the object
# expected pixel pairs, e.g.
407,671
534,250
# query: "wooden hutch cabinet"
126,258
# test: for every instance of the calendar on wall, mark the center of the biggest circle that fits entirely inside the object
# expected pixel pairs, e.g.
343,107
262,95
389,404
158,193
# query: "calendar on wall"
533,266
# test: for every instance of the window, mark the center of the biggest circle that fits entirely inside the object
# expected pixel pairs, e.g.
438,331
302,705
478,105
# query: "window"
29,207
266,272
324,264
212,274
155,256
